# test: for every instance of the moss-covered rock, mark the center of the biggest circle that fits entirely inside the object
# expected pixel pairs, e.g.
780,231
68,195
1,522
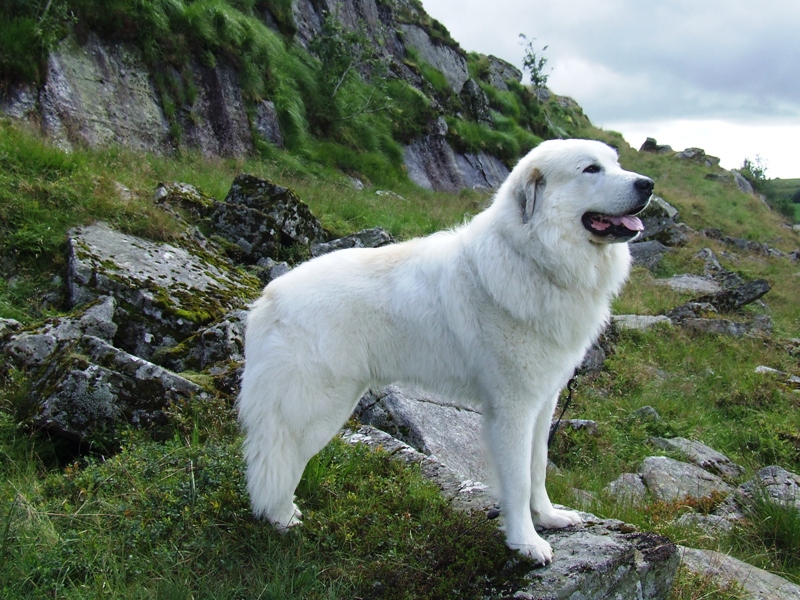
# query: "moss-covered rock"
165,291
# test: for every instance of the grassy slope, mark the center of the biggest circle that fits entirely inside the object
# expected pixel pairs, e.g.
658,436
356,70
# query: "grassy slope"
109,527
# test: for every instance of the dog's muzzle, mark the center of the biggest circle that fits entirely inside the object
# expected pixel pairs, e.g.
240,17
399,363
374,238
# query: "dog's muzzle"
624,227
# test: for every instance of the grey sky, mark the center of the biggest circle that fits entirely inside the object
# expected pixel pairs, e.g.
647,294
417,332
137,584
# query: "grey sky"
727,72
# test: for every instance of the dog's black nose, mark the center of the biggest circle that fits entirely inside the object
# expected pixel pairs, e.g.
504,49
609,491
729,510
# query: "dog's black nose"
644,184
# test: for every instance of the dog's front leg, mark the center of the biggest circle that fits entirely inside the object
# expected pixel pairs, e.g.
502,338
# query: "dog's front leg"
509,433
542,510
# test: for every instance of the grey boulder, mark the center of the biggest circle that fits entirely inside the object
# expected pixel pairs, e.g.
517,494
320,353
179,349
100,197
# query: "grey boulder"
701,455
669,480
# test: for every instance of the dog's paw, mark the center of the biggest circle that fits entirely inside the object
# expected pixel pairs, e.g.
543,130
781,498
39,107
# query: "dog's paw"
536,550
295,520
557,518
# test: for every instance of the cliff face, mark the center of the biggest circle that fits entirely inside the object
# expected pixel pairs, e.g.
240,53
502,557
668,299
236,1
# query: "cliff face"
102,92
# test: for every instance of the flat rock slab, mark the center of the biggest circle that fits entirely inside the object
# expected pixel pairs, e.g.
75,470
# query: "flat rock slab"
669,480
701,455
174,289
691,284
430,424
639,322
600,559
725,570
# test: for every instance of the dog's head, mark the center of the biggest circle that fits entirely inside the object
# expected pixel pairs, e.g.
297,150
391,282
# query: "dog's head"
579,185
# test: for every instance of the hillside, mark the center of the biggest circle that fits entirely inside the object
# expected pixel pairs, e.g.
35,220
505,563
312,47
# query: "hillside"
157,508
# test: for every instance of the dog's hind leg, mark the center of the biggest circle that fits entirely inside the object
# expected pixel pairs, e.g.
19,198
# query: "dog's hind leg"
283,432
542,510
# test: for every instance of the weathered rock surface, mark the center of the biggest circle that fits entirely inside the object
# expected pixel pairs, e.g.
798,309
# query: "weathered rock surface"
775,484
725,570
599,560
82,387
698,155
101,94
164,292
647,254
30,349
90,388
692,284
669,480
221,342
712,525
447,60
701,455
660,220
501,71
651,145
731,299
628,488
367,238
639,322
216,123
432,164
431,425
259,216
475,102
266,124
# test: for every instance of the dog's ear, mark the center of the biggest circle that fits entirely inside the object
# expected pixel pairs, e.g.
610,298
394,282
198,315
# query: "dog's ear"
531,192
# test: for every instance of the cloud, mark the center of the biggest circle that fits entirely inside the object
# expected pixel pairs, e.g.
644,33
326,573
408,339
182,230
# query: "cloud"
724,68
682,56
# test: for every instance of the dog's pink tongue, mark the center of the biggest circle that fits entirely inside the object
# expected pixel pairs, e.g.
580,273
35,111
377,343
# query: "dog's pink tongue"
629,222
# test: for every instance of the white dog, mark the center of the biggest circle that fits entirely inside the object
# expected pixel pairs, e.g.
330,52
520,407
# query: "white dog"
497,312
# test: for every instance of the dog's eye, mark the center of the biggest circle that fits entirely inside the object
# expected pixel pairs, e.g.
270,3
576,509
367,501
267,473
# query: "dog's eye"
592,169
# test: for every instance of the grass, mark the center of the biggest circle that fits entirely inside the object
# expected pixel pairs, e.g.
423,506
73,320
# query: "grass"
171,519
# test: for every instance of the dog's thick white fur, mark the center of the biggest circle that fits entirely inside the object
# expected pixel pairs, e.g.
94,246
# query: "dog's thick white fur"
497,312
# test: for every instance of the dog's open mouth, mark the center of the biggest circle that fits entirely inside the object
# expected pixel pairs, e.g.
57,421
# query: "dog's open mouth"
625,226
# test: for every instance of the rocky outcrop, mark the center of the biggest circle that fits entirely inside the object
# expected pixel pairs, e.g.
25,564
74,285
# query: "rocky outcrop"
446,59
725,571
164,291
669,480
101,94
651,145
367,238
603,558
431,425
701,455
500,72
432,164
216,123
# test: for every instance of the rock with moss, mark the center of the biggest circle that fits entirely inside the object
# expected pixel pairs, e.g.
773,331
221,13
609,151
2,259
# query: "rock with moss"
261,217
475,102
30,348
89,391
501,71
186,197
164,292
773,484
218,343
